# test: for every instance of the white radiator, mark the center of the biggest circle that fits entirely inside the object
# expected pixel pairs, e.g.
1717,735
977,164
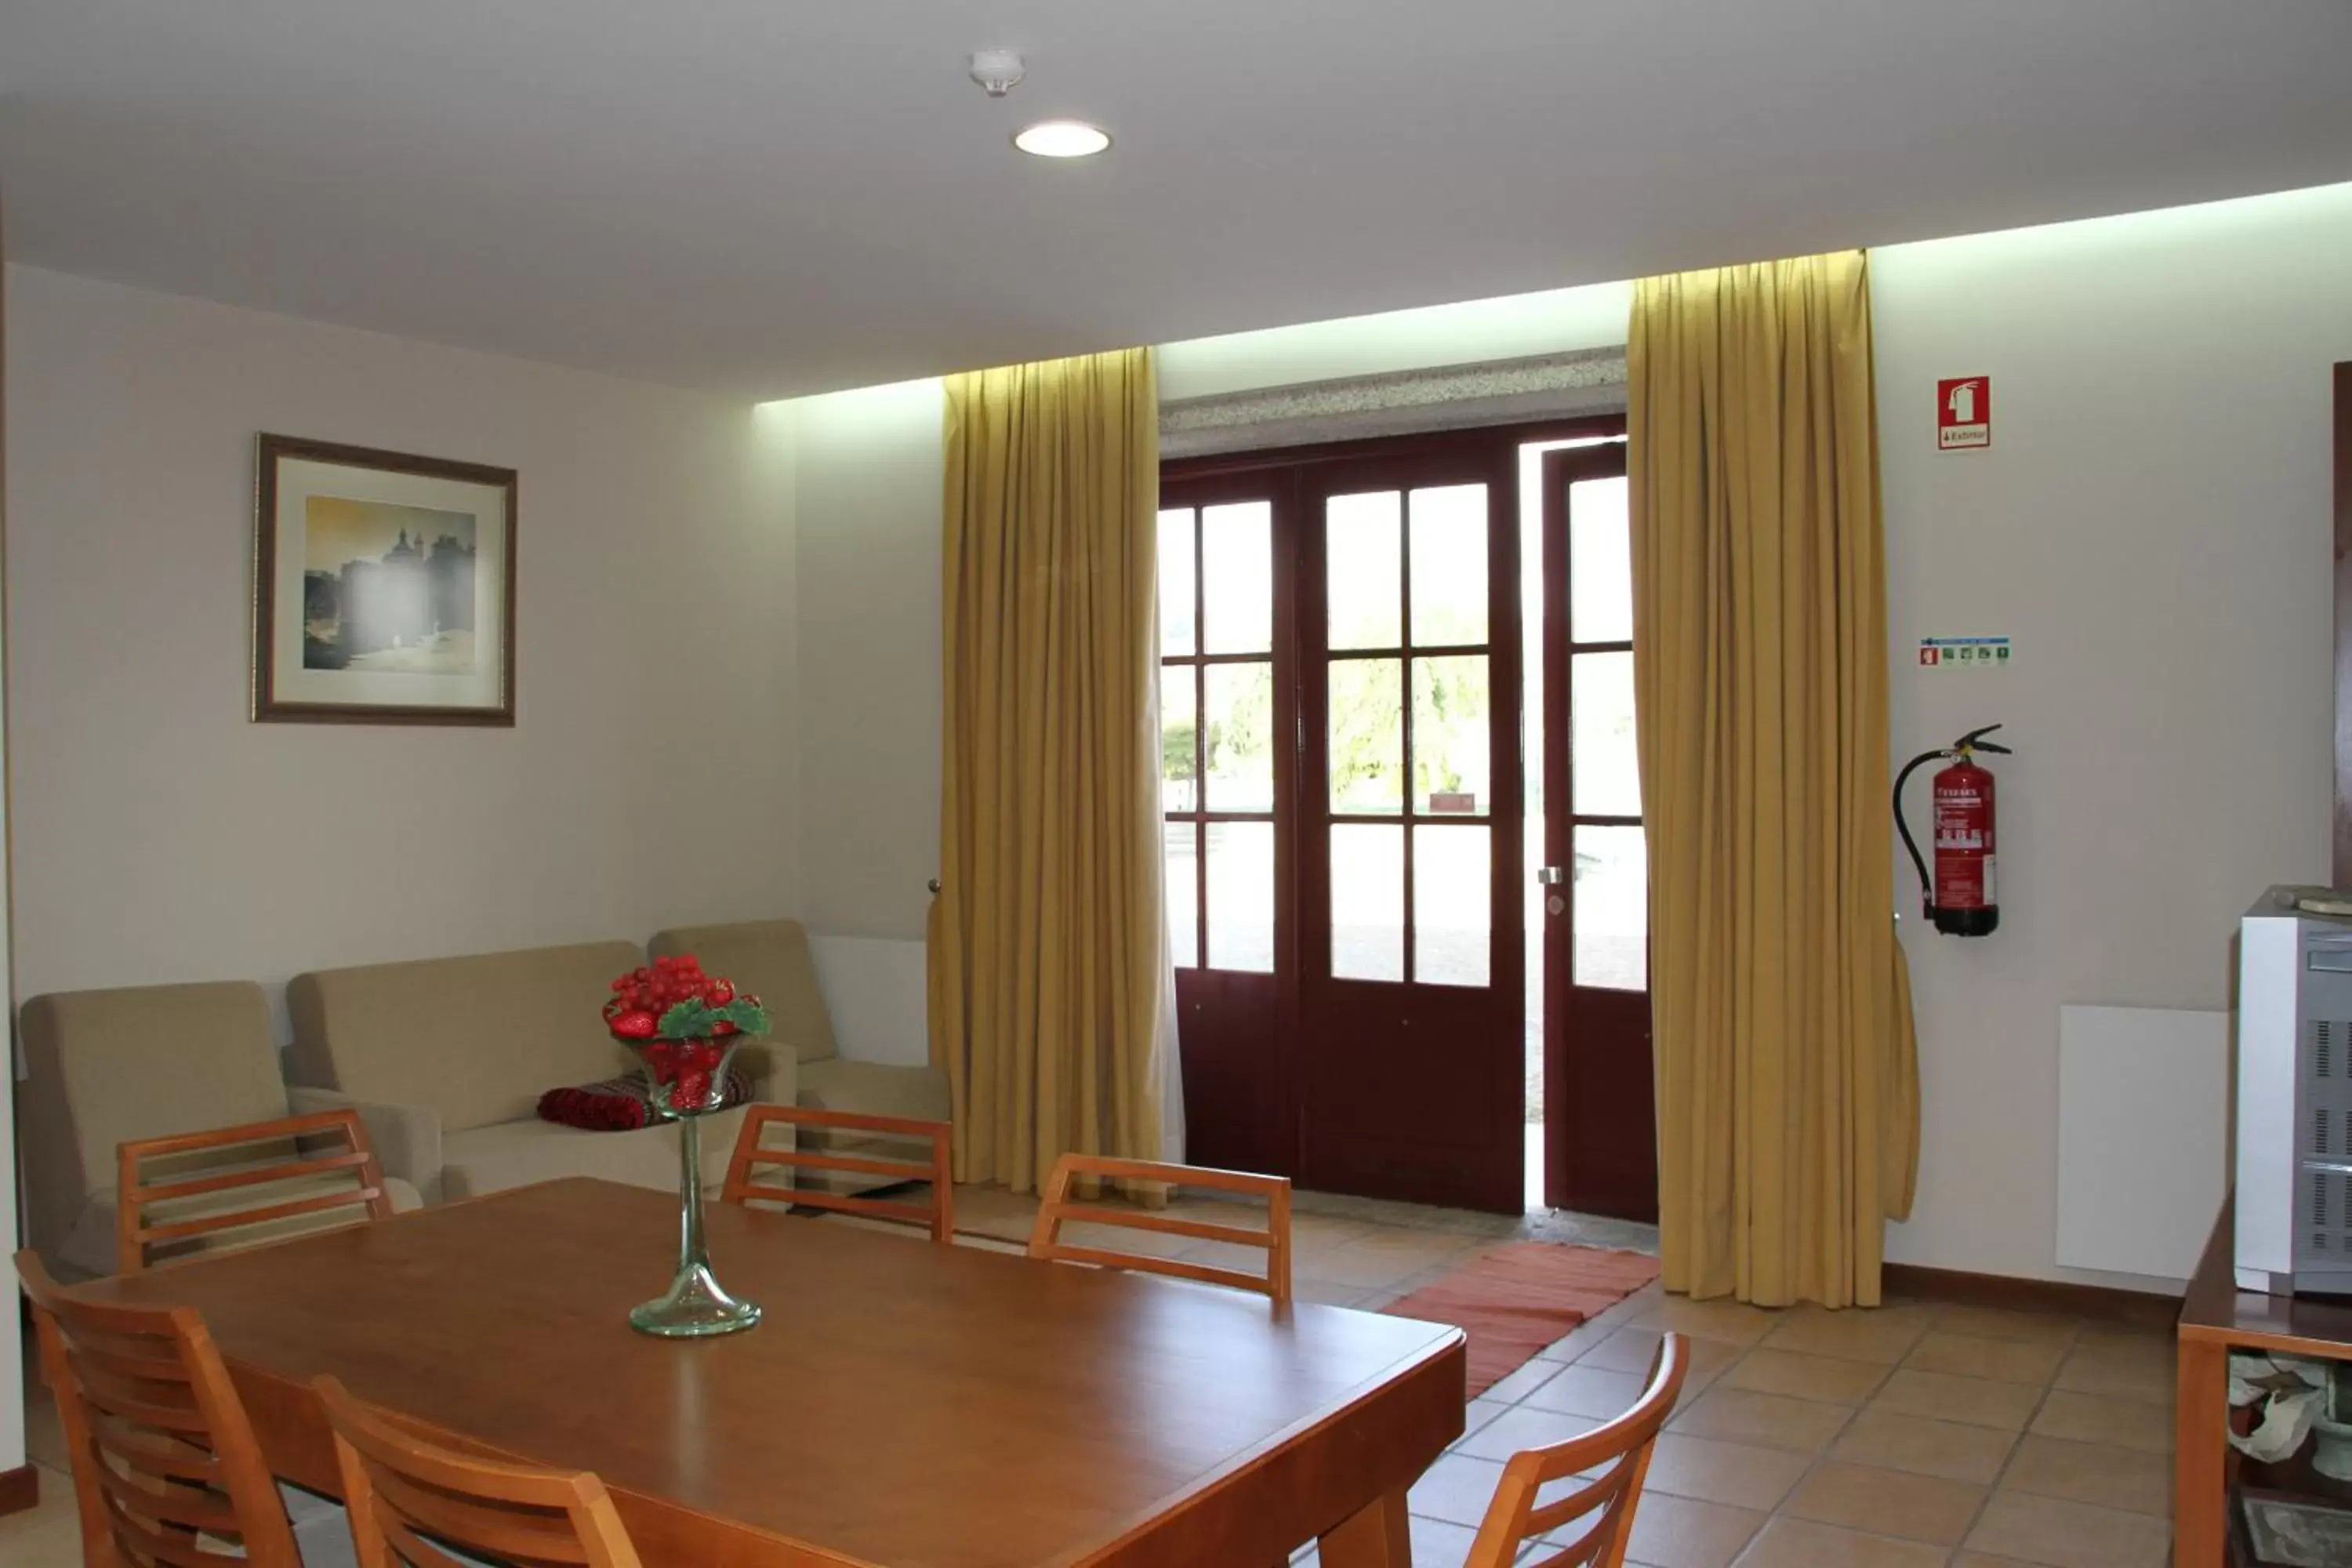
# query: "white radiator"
2143,1137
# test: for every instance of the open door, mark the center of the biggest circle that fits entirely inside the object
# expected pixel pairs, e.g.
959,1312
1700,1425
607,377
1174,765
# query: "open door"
1601,1154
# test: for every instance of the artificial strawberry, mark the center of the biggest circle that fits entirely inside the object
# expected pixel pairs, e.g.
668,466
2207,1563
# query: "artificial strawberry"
638,1024
718,992
692,1090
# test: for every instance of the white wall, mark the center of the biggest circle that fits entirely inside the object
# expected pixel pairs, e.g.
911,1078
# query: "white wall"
869,503
162,837
2152,525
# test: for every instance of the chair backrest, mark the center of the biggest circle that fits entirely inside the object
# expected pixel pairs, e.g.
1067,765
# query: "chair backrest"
410,1501
1622,1452
268,1179
165,1466
132,1062
771,959
1057,1209
937,1214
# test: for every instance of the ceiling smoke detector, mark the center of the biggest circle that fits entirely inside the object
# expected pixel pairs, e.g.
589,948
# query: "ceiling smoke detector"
998,71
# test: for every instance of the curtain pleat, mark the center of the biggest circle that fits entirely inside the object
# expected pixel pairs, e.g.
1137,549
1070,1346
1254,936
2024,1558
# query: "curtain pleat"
1787,1072
1048,950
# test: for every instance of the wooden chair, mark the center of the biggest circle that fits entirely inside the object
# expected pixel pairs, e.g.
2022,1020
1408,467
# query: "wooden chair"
1608,1501
415,1503
1057,1210
165,1466
937,1216
194,1179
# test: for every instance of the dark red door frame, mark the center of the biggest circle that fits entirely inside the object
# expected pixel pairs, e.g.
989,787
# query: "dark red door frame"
1233,1026
1599,1093
1276,1077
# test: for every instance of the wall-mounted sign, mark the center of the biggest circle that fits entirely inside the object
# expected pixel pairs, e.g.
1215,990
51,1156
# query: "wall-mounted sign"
1964,653
1964,411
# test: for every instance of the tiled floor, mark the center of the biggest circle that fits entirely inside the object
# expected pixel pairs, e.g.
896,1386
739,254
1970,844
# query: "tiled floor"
1917,1436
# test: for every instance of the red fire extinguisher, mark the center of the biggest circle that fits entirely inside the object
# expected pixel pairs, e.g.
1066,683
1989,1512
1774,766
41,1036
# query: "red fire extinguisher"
1960,898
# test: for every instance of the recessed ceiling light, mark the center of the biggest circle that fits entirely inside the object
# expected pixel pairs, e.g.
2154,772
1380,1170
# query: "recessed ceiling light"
1063,138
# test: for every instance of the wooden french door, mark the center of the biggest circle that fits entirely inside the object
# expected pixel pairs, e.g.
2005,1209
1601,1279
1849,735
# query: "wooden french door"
1340,782
1600,1106
1228,712
1411,1078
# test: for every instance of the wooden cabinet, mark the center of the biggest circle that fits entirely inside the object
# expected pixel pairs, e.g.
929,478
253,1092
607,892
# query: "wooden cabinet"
2217,1318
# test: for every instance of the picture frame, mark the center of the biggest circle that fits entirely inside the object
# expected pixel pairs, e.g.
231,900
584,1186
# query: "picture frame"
383,587
2284,1530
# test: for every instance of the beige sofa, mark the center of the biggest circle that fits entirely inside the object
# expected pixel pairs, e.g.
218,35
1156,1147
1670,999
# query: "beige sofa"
105,1068
446,1060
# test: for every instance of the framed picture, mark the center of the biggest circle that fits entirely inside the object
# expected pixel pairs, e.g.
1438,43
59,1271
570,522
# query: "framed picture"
383,587
2288,1531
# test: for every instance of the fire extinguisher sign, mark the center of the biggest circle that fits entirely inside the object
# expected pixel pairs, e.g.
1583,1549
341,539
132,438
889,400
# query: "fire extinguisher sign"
1963,413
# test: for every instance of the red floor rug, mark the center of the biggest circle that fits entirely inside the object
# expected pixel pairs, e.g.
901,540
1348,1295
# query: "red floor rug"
1517,1299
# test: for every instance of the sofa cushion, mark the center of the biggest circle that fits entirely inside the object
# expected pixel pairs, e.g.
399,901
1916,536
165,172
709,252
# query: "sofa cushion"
106,1067
770,959
516,1154
477,1040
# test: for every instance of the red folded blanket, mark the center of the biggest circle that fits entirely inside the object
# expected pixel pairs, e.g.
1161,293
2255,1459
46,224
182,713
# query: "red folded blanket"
620,1104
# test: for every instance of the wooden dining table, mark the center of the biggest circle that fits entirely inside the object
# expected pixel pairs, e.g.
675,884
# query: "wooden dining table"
901,1404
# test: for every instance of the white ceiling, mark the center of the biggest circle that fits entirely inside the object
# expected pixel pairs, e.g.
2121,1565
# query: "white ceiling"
775,196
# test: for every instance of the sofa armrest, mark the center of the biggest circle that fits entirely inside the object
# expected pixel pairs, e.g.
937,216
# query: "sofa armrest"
773,1069
407,1138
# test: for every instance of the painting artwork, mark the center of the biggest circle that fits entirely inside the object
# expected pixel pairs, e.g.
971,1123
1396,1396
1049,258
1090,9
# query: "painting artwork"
383,587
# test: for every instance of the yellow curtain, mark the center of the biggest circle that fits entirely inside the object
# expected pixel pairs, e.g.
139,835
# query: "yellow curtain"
1047,952
1787,1076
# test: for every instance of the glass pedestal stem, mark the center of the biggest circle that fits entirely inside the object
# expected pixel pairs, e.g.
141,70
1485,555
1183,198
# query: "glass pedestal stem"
695,1304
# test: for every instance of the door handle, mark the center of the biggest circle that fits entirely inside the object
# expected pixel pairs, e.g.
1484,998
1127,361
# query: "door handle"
1550,875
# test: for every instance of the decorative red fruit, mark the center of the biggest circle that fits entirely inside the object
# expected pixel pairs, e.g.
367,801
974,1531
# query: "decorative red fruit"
718,992
638,1024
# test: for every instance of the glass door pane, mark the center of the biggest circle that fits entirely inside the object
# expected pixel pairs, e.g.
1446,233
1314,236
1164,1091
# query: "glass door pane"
1365,590
1367,901
1176,605
1452,903
1237,578
1600,563
1453,724
1184,892
1241,895
1608,771
1449,565
1367,736
1237,737
1613,909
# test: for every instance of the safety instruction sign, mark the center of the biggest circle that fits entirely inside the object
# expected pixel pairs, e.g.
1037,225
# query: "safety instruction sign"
1964,653
1963,413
